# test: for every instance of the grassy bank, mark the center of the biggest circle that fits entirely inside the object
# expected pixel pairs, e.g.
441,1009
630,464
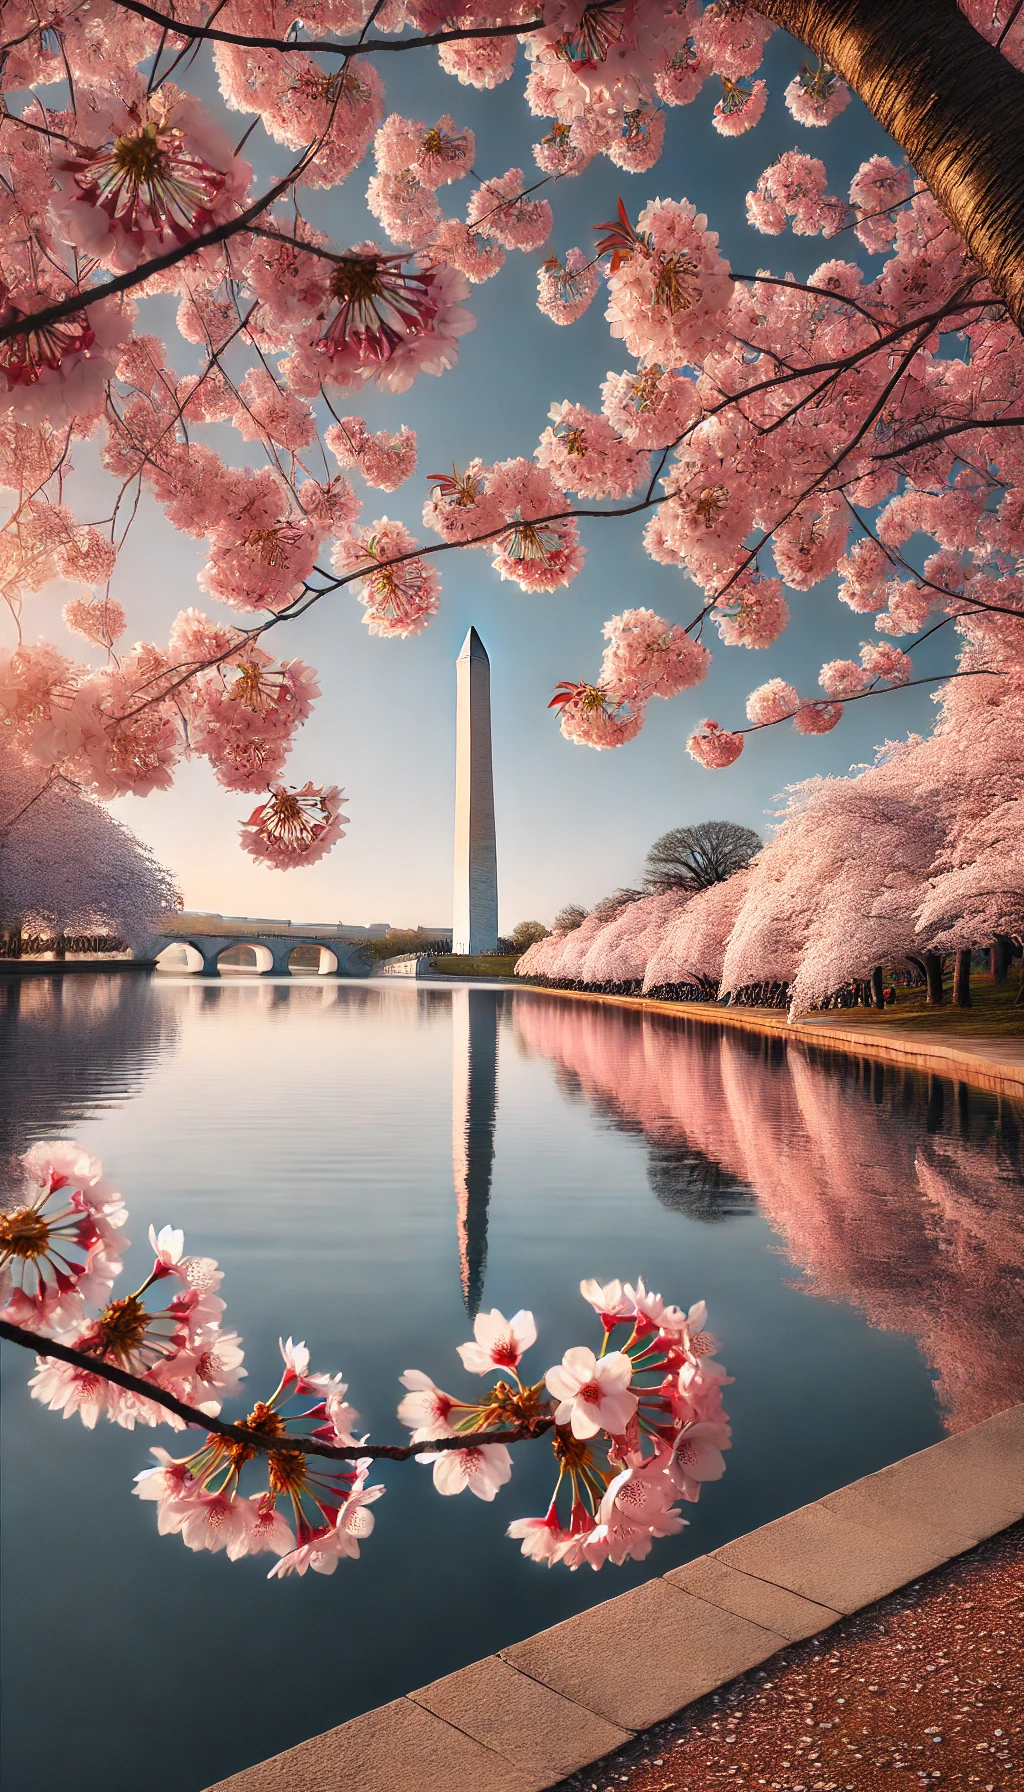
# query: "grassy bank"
991,1013
487,966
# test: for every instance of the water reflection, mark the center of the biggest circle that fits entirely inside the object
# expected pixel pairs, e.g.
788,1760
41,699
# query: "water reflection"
71,1045
893,1192
474,1107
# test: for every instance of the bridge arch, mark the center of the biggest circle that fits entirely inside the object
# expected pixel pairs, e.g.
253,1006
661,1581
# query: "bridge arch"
272,953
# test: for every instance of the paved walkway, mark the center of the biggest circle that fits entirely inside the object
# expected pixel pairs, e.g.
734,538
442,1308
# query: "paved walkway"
924,1689
613,1681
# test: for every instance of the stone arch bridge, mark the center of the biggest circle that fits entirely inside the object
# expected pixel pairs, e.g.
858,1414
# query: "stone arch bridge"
207,937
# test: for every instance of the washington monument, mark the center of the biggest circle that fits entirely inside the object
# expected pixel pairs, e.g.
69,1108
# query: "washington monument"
475,906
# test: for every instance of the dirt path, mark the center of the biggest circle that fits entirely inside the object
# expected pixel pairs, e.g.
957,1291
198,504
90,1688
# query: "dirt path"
924,1689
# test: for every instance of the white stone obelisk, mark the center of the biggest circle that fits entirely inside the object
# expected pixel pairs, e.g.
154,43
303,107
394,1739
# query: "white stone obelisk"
475,905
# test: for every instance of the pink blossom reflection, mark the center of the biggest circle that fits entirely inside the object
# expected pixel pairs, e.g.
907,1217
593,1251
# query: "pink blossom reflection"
893,1192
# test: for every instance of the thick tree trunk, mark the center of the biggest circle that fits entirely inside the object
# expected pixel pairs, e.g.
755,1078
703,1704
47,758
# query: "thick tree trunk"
933,972
962,979
950,100
877,987
999,954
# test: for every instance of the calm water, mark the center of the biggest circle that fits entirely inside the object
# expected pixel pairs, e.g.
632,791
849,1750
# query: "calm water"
363,1157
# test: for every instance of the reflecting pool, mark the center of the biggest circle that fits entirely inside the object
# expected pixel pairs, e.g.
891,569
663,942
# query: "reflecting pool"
369,1160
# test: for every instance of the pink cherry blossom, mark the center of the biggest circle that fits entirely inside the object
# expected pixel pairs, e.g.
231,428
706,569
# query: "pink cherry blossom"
98,619
499,1343
591,715
483,1468
651,409
593,1392
608,1300
752,613
154,174
649,657
586,455
816,95
353,1524
426,1409
671,287
540,550
463,507
60,1242
843,678
401,592
772,702
501,210
565,288
881,660
739,108
294,827
637,1507
540,1539
385,461
817,717
713,746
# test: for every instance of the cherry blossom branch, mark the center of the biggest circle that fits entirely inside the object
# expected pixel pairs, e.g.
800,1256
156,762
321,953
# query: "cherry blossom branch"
52,314
878,691
954,429
240,1434
331,45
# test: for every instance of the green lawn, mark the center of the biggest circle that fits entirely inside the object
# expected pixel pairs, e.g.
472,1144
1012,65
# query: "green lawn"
991,1012
489,966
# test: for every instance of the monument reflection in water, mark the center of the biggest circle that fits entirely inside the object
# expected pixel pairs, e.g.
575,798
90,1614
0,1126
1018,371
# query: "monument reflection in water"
474,1109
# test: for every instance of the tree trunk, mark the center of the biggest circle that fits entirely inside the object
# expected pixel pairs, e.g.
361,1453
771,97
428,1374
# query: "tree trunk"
962,979
999,954
933,972
877,987
950,100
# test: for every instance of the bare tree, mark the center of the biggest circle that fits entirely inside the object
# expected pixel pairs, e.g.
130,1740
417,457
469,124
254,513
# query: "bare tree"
569,918
694,858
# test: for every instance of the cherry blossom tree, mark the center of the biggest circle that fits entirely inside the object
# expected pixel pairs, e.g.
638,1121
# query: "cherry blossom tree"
771,432
67,866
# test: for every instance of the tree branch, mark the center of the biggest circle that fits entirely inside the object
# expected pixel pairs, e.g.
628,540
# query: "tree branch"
239,1434
92,295
331,45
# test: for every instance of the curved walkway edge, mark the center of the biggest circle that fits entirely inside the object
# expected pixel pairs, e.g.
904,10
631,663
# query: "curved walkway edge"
522,1720
987,1063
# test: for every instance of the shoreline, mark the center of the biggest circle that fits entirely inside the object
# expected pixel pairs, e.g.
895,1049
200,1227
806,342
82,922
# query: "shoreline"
538,1711
995,1064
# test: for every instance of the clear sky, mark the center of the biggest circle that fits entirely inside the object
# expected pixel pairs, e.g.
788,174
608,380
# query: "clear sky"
572,823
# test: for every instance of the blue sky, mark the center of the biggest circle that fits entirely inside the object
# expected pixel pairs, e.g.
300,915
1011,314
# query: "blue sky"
572,823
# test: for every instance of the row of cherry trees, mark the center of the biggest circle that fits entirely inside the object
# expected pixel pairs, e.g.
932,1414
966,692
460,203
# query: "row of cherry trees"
918,856
772,432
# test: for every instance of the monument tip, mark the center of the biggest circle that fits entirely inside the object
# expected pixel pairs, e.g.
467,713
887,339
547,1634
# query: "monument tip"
473,648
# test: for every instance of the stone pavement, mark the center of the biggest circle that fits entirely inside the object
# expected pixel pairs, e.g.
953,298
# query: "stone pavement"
542,1709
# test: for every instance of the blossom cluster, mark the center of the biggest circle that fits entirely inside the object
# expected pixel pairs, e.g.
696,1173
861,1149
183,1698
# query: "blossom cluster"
818,422
637,1427
634,1429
